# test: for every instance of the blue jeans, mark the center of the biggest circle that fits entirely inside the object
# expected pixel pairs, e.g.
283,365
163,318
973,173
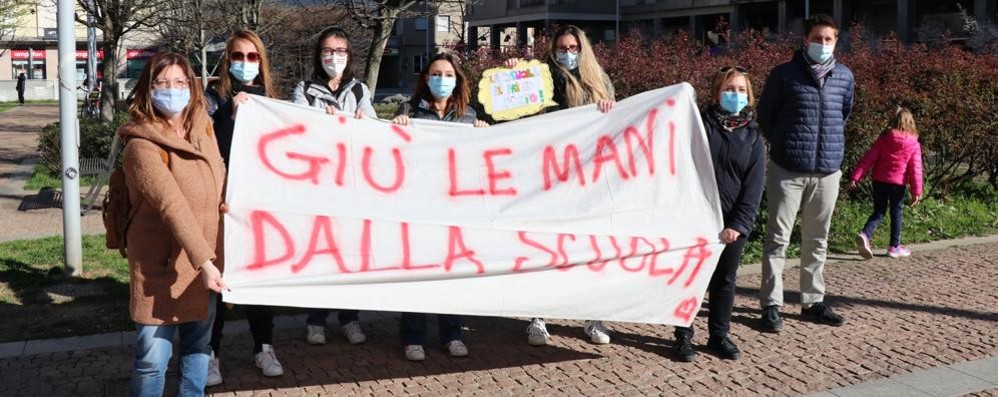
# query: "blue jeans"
318,316
886,195
412,328
154,346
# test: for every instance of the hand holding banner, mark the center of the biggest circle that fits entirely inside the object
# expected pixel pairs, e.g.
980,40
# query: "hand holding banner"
574,214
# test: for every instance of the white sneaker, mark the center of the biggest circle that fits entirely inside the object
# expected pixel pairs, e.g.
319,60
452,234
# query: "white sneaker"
597,332
415,353
316,335
353,333
267,361
537,333
214,374
457,348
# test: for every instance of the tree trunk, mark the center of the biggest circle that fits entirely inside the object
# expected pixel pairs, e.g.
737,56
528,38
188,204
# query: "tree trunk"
382,29
109,81
204,61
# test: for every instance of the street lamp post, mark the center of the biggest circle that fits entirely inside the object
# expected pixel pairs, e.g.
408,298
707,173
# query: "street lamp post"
69,142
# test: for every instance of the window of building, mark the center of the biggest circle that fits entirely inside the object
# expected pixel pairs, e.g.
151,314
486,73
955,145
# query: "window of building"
443,23
417,63
420,23
19,62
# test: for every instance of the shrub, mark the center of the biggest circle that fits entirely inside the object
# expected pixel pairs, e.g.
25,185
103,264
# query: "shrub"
95,141
951,91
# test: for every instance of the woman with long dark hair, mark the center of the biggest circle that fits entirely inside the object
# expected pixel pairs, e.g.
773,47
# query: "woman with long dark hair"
334,89
442,94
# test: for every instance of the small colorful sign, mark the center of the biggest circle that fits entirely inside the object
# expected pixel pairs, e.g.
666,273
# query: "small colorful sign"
509,94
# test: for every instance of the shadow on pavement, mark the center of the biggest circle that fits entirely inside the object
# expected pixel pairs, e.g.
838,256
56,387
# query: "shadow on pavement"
793,298
494,343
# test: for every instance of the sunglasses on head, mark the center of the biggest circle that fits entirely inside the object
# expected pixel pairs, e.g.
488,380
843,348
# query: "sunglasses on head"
248,57
738,68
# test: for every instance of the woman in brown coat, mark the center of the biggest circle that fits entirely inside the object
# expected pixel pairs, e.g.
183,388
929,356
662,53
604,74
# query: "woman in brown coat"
175,175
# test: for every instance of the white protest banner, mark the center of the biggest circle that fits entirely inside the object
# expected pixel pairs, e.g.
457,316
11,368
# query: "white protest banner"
574,214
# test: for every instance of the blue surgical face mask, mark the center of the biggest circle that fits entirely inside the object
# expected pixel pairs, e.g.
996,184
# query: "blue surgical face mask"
567,59
820,52
171,101
442,87
733,102
245,72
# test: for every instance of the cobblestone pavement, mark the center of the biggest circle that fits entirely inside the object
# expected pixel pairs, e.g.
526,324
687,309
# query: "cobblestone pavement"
19,129
935,308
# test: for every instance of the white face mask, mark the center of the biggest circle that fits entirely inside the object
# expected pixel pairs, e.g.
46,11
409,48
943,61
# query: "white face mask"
334,64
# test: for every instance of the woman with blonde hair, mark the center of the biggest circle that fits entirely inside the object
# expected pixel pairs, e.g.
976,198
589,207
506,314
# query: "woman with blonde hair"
174,175
738,154
246,71
579,80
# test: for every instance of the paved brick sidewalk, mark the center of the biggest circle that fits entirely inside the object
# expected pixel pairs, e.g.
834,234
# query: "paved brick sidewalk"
933,309
19,129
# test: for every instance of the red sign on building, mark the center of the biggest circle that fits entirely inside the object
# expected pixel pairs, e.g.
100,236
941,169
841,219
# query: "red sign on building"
140,53
82,54
23,54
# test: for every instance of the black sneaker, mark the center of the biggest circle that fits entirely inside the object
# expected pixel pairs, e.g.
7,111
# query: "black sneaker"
683,348
724,347
822,314
771,321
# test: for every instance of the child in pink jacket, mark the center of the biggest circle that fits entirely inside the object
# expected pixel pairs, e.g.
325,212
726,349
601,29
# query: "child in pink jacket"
896,159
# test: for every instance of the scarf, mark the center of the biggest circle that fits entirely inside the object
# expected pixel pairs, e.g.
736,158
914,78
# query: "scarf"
819,70
729,121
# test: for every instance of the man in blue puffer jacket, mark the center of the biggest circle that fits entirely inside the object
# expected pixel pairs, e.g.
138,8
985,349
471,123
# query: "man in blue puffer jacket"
803,112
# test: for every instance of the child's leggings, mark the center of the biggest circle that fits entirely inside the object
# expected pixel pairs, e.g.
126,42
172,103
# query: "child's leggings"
886,195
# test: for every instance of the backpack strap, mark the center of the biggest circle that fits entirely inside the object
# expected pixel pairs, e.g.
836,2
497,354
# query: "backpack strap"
358,92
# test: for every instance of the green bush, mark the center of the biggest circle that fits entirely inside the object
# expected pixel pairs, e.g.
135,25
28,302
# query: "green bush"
95,141
386,111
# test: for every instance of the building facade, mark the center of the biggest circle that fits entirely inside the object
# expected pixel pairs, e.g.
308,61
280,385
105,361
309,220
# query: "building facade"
509,23
415,40
34,52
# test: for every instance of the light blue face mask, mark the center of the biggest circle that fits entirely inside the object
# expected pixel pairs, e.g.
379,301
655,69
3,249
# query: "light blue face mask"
733,102
820,53
171,101
567,59
442,87
245,72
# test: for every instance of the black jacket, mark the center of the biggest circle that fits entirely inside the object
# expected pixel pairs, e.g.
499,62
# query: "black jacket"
424,112
739,159
221,114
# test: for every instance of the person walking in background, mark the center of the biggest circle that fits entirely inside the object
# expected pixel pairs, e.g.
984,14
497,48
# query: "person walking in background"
442,94
803,112
579,80
175,175
21,85
334,89
247,72
896,160
739,157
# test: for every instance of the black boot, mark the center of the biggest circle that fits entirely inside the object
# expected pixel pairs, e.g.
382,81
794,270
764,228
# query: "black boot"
771,321
723,347
683,348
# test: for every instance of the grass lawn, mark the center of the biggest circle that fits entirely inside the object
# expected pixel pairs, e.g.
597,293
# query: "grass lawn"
28,267
41,178
4,106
